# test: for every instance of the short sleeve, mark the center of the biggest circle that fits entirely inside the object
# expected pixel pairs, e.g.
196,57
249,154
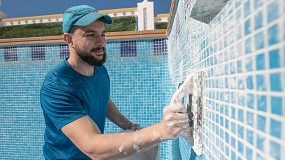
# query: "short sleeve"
60,104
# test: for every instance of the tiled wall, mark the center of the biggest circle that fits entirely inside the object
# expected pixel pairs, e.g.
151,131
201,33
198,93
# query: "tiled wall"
140,86
243,51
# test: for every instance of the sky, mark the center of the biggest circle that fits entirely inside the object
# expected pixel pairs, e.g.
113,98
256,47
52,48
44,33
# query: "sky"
26,8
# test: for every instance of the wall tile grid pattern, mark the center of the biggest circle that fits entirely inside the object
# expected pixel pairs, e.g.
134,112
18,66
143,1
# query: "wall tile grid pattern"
140,86
243,51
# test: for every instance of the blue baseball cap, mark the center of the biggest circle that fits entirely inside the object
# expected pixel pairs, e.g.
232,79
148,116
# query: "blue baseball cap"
82,15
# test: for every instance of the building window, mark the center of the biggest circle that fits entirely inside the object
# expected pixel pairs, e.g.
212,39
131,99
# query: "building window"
64,52
128,49
38,53
10,54
159,47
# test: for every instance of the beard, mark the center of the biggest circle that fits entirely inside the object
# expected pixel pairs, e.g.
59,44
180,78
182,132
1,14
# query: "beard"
89,58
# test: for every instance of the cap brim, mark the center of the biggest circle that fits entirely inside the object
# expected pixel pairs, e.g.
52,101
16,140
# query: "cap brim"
92,17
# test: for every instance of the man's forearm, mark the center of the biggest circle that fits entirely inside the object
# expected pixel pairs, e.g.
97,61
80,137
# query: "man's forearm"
125,144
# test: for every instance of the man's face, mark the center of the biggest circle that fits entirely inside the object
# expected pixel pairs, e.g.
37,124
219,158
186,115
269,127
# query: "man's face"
89,43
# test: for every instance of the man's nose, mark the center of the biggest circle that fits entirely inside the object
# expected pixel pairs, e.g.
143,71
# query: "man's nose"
100,41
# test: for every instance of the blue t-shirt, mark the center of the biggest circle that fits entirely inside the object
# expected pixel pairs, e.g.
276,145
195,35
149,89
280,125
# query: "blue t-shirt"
66,96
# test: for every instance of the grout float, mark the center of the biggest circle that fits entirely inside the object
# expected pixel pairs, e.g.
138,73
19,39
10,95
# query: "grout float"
193,85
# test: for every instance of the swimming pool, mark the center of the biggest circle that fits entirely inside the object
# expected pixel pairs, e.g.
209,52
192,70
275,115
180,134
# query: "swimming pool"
242,49
140,87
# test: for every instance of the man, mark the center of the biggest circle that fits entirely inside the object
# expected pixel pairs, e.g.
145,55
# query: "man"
75,99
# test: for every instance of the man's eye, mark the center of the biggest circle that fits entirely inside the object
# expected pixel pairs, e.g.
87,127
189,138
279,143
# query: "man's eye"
90,35
103,35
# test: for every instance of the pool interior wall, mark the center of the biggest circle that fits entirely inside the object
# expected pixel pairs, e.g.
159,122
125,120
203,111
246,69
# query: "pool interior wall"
140,86
243,51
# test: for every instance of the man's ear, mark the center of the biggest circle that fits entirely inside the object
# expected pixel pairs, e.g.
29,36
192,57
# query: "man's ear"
68,39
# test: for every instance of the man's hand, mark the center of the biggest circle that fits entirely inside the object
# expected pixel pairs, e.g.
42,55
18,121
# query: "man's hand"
115,116
133,126
173,123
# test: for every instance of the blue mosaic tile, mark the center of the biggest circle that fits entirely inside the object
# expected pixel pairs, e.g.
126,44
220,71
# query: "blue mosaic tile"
176,153
241,83
237,3
241,115
227,150
240,147
250,100
233,113
246,7
239,33
275,82
276,105
258,3
239,66
247,27
275,150
272,36
233,127
261,123
284,54
234,98
259,157
258,20
227,70
275,128
272,11
274,59
249,64
241,131
238,14
248,45
233,142
260,61
261,103
250,119
222,97
226,110
233,155
259,40
227,138
248,153
260,140
260,83
249,82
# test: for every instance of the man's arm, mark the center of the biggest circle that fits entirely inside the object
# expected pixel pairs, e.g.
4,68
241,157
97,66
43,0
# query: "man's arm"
115,116
85,134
